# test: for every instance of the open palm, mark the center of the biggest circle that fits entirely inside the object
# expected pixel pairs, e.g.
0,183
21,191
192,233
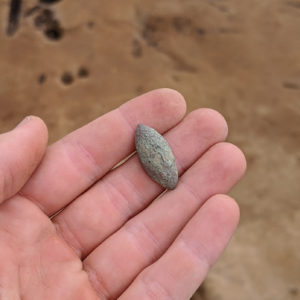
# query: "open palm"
81,229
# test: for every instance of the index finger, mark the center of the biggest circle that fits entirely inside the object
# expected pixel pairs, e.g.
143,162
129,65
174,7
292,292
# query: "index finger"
75,162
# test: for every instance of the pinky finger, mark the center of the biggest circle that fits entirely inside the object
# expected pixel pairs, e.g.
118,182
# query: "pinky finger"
180,271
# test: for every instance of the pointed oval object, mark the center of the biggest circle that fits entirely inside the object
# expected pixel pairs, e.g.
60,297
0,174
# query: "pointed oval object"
156,156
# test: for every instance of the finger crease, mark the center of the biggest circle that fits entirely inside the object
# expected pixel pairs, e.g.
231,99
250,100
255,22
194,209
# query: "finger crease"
91,159
136,229
204,260
64,231
33,200
190,190
119,201
125,119
155,290
97,282
134,190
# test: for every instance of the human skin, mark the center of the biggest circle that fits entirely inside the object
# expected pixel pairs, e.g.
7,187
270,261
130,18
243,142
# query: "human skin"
111,241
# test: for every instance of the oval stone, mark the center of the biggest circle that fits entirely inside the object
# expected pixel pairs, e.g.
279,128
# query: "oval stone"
156,156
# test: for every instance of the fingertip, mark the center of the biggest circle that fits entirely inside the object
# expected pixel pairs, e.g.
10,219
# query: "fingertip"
219,121
239,158
221,214
230,157
160,109
170,104
175,98
214,123
41,128
35,122
227,210
30,137
35,131
21,151
42,131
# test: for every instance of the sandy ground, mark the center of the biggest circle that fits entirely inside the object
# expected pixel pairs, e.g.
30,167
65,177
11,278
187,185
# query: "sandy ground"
82,58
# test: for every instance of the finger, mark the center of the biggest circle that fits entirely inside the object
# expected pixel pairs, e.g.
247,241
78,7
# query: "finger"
128,189
21,151
180,271
78,160
144,238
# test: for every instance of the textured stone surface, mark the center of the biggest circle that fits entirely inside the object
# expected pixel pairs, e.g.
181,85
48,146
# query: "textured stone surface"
156,156
241,58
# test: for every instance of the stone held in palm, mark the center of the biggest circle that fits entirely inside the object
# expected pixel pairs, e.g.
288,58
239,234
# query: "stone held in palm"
156,156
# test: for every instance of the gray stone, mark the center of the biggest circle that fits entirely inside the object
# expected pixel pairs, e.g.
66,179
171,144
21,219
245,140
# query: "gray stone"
156,156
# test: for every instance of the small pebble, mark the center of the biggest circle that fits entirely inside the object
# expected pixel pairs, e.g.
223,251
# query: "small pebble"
156,156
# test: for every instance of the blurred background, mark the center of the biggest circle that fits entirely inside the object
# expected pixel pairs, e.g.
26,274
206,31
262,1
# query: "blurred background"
72,61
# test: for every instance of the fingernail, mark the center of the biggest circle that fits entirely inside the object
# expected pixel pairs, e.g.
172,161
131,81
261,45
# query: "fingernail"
25,120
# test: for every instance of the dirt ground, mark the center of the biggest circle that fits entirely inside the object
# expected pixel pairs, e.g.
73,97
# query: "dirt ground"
75,60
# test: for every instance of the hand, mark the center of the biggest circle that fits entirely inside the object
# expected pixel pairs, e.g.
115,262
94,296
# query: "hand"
79,230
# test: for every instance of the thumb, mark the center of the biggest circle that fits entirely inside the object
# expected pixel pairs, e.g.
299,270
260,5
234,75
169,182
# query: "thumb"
21,150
